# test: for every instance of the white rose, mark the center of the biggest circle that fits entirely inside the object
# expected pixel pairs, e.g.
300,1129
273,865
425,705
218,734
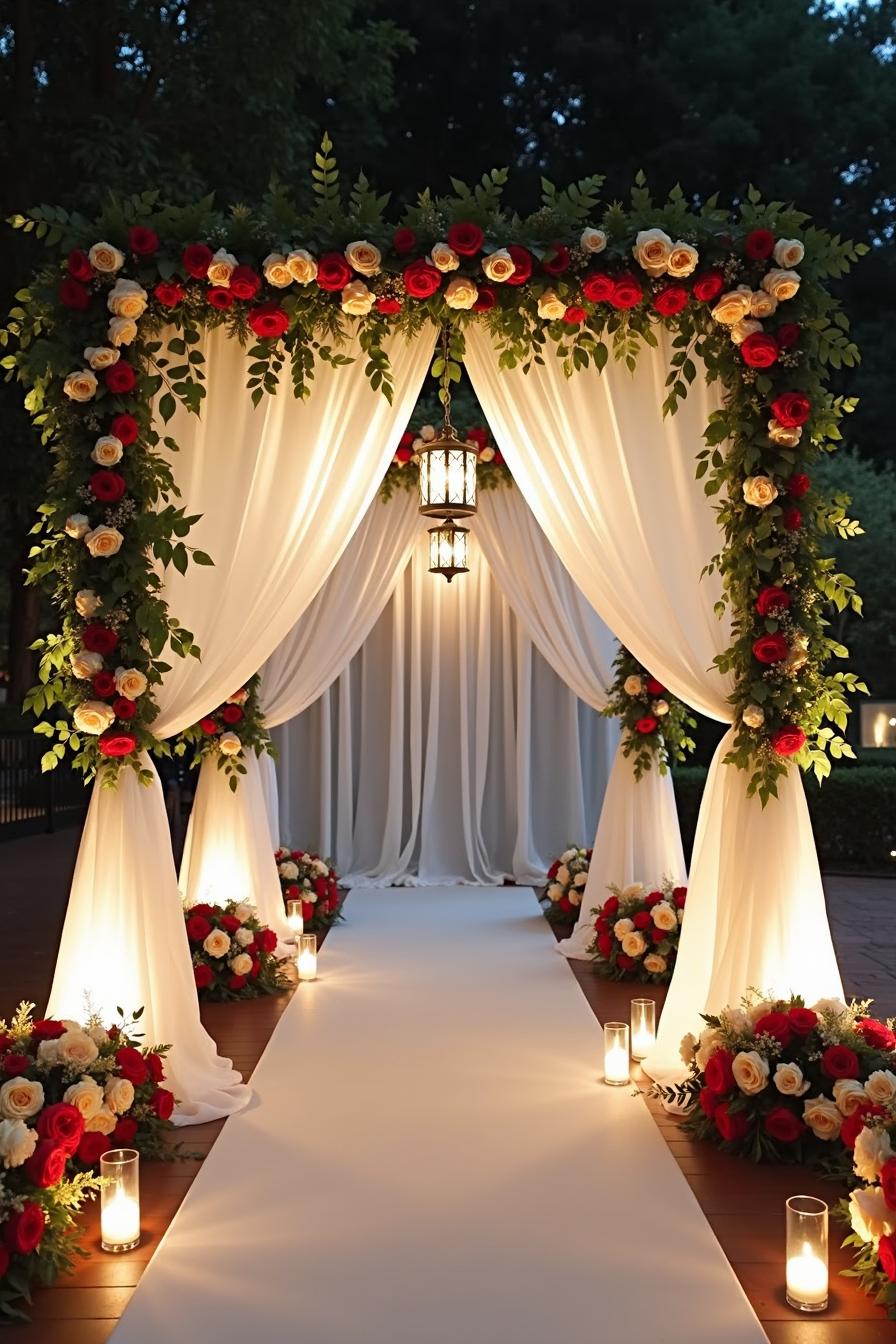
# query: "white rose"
821,1115
101,356
106,258
551,306
744,328
229,744
753,716
276,271
461,292
633,685
709,1042
563,875
632,891
580,879
221,268
660,707
363,257
654,964
98,1034
634,944
688,1048
85,664
80,385
782,285
835,1007
217,943
622,927
762,304
664,916
301,266
357,299
245,910
86,602
86,1096
872,1150
444,258
652,250
427,433
102,1121
241,964
122,330
881,1086
77,525
732,306
17,1142
243,936
130,682
47,1052
593,240
750,1071
499,266
790,1082
787,435
737,1020
555,891
568,855
107,450
870,1215
788,252
760,491
127,299
93,717
119,1095
20,1098
759,1009
682,259
75,1046
289,870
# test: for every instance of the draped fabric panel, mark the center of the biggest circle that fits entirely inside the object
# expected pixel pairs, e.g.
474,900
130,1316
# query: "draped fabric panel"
612,485
281,489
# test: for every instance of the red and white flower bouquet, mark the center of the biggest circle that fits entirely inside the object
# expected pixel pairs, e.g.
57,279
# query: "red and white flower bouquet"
567,877
870,1211
308,878
234,954
637,931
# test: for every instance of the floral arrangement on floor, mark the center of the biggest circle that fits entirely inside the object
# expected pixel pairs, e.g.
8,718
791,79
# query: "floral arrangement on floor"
655,723
233,952
69,1093
228,733
580,279
404,469
308,878
777,1081
567,877
870,1211
637,932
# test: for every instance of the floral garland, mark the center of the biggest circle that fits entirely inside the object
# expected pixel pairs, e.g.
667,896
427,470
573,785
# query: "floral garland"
308,878
233,952
637,932
742,291
567,877
228,732
776,1081
870,1211
655,723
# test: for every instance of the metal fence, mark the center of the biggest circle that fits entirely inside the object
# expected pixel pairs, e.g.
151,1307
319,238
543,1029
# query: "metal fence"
31,802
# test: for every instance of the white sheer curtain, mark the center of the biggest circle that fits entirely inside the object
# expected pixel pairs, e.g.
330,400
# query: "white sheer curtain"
281,489
638,836
612,484
449,750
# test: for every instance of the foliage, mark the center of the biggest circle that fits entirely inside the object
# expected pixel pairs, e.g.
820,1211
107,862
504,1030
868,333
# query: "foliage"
637,932
655,723
234,954
228,732
308,878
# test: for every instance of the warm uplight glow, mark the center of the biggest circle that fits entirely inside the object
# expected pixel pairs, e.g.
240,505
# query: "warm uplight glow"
643,1027
447,477
294,919
616,1064
120,1200
448,550
807,1253
307,956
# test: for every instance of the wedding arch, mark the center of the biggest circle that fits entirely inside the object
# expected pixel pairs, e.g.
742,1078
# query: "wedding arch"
188,523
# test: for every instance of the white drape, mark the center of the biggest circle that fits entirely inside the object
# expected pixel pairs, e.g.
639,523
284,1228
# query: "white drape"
612,484
449,750
281,489
638,835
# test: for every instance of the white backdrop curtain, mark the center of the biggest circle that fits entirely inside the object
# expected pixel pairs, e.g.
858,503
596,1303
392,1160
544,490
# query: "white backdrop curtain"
638,836
281,489
612,484
448,750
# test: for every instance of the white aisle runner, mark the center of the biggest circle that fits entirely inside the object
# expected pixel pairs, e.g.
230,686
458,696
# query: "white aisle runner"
430,1159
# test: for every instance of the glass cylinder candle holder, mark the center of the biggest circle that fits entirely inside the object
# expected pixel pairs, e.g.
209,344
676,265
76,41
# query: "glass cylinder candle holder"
307,958
294,919
120,1200
643,1027
807,1253
616,1065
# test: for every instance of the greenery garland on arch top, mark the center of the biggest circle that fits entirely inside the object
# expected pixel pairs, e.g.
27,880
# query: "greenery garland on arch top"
743,290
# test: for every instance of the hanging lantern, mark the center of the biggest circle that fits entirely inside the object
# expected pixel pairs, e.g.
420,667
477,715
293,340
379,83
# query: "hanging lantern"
447,466
448,550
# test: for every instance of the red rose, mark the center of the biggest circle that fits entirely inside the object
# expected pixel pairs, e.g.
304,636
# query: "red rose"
774,1024
838,1061
787,742
479,435
244,282
717,1074
156,1066
256,967
92,1147
47,1029
574,315
142,241
798,485
522,262
731,1126
236,982
625,963
196,259
658,935
123,708
791,409
220,297
887,1180
333,272
114,742
791,520
198,928
232,714
24,1231
74,295
709,286
759,244
876,1034
307,911
759,350
79,267
787,335
98,638
646,725
770,649
46,1165
653,898
803,1021
169,293
103,685
404,240
62,1125
485,299
605,945
124,428
557,261
131,1065
292,891
202,976
610,907
107,486
266,940
388,306
268,321
203,908
565,904
466,239
208,726
162,1102
771,600
886,1254
680,896
421,280
709,1102
627,292
655,687
121,377
124,1132
783,1125
854,1124
230,923
598,288
671,300
642,920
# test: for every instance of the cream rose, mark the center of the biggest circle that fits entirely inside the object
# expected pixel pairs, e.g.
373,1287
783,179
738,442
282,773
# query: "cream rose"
551,306
119,1094
17,1142
230,744
357,299
634,944
499,266
744,328
833,1007
782,285
301,266
688,1048
568,855
86,602
789,1080
580,880
127,299
633,890
660,707
461,292
106,258
243,936
130,682
788,252
20,1098
86,1096
664,916
217,943
732,306
652,250
98,1034
276,271
760,491
654,964
593,240
364,257
107,450
786,435
682,259
93,717
881,1086
122,330
622,927
221,268
101,356
574,896
241,964
760,1008
870,1215
444,258
762,304
872,1150
245,910
102,1121
77,525
555,891
75,1046
822,1117
85,664
736,1019
80,385
750,1071
563,875
709,1041
288,869
753,716
633,685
